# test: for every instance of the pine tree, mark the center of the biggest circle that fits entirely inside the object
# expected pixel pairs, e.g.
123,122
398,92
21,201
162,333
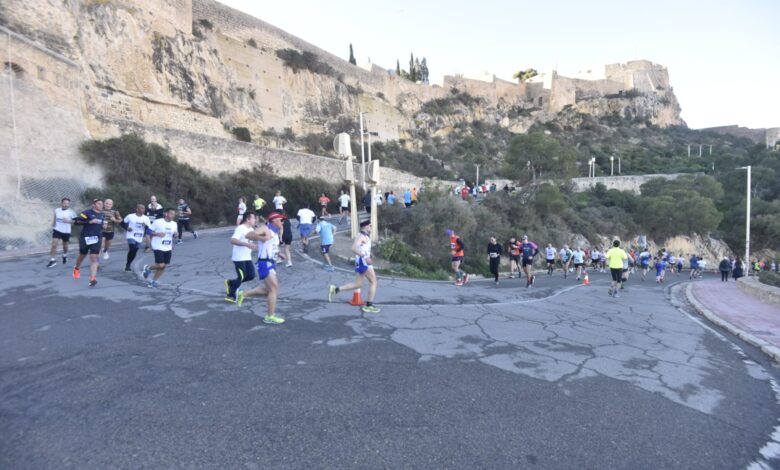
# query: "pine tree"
424,71
412,71
418,71
352,56
398,67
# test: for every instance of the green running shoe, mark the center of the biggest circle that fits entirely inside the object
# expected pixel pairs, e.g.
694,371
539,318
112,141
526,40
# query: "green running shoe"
227,287
273,320
240,298
331,292
370,309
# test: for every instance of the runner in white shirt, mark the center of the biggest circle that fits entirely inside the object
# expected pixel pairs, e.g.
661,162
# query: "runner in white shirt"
344,201
267,238
137,225
63,219
241,210
163,232
279,201
549,253
578,258
363,269
305,220
242,256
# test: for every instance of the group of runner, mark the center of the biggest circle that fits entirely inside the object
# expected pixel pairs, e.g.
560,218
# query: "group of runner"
151,225
159,228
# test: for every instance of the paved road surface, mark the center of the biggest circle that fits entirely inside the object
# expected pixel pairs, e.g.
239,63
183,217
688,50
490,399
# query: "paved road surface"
557,376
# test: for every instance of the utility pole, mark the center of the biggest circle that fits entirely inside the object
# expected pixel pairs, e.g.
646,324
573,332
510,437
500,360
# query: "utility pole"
699,150
689,151
362,156
477,181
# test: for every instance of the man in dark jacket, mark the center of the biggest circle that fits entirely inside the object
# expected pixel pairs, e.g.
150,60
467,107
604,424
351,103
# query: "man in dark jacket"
725,268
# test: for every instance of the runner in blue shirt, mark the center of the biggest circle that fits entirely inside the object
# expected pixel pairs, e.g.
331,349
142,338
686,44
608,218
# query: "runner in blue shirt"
528,250
327,232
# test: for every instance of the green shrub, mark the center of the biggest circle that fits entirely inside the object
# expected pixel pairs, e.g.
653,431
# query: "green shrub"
769,278
305,61
242,134
135,170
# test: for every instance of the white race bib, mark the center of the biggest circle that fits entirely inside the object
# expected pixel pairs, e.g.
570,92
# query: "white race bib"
138,235
166,242
91,240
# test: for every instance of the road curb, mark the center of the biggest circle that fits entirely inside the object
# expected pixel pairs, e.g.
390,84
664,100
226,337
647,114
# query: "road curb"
768,349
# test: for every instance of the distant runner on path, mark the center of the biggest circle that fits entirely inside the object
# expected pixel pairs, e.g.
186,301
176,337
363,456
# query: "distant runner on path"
494,257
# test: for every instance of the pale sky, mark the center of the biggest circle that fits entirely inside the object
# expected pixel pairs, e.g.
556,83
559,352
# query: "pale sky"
723,56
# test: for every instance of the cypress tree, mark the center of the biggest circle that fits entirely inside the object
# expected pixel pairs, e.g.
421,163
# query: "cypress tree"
351,56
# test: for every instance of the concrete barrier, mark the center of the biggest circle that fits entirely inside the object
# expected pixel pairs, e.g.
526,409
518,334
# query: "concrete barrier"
752,286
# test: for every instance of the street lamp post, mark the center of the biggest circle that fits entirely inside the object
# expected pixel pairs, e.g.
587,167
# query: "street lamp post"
362,154
619,166
593,165
747,221
611,166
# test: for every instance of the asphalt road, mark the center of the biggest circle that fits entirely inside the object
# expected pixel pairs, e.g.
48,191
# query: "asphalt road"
479,376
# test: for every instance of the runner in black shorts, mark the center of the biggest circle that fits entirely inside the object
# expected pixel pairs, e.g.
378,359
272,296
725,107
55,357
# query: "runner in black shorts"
287,238
91,221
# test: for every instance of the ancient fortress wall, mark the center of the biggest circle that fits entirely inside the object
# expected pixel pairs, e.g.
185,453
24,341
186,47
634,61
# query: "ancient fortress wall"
41,127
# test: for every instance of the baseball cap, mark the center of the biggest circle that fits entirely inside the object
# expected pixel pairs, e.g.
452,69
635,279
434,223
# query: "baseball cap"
274,215
365,223
525,237
450,232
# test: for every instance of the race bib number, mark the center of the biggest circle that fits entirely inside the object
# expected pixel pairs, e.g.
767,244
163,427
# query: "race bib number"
166,242
138,235
494,255
91,240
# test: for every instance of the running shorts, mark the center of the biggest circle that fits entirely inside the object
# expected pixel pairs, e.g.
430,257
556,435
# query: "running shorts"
527,262
108,235
457,258
617,274
61,236
305,230
360,265
550,261
162,257
325,248
514,258
89,245
345,208
578,265
287,239
265,268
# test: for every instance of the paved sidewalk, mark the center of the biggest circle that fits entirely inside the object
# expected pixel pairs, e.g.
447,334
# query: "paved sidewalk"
742,314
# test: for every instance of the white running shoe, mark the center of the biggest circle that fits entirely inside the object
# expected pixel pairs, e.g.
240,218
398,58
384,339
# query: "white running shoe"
105,255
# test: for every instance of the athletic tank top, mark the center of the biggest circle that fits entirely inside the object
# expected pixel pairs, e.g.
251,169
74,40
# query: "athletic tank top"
268,249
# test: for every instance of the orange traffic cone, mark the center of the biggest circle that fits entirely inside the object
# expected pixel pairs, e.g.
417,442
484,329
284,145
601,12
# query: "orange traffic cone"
356,300
585,280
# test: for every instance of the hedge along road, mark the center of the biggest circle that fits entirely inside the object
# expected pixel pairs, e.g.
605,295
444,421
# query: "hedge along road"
557,376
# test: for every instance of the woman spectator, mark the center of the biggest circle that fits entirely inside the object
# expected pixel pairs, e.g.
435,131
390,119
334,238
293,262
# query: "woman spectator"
738,271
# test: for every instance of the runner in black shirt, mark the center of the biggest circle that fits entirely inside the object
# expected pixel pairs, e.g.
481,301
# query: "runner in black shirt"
494,256
91,222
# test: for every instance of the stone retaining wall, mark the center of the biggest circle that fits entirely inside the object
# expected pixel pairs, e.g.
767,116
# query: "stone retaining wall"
754,287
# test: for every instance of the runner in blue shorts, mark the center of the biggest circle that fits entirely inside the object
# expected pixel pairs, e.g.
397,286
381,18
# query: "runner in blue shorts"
365,271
